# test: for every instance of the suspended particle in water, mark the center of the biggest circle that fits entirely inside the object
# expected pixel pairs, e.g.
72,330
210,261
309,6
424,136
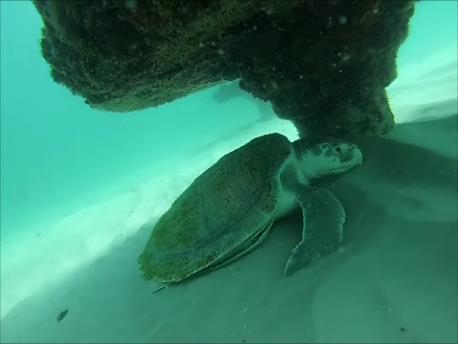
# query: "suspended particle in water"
345,57
131,5
343,20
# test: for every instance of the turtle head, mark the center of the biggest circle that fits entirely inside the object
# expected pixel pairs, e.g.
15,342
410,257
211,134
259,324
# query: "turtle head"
327,158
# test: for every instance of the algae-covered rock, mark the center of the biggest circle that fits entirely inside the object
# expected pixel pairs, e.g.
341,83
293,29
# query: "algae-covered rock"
322,64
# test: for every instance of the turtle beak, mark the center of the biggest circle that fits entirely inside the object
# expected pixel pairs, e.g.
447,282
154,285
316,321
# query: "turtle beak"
352,155
357,155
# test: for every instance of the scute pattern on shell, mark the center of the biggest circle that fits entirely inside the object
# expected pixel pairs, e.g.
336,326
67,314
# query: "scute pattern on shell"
223,207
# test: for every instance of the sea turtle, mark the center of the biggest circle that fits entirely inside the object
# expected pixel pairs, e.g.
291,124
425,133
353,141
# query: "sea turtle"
229,209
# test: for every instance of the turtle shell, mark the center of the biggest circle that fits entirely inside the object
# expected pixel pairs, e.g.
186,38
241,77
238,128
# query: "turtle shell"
224,207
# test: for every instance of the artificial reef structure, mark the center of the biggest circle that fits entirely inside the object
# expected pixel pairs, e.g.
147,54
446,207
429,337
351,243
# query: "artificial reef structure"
323,64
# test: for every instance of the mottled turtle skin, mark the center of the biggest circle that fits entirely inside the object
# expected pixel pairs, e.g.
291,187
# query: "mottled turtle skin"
225,206
228,210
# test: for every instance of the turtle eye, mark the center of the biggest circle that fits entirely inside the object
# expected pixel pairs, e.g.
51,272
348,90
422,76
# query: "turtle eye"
338,150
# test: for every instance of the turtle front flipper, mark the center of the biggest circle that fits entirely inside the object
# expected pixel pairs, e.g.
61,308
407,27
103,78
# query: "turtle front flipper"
322,232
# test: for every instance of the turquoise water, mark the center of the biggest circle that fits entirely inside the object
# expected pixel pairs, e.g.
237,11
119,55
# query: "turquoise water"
59,156
433,28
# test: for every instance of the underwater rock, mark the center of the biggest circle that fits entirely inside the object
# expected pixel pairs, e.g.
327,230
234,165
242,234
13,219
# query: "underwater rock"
322,64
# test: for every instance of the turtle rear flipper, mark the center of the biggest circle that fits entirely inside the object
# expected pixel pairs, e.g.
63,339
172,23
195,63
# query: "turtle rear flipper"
322,232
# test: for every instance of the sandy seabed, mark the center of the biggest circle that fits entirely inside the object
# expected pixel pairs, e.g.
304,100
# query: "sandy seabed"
394,279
